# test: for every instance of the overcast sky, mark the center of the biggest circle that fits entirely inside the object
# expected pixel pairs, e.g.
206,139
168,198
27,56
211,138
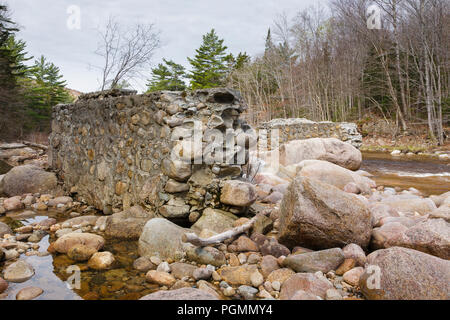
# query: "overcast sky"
242,23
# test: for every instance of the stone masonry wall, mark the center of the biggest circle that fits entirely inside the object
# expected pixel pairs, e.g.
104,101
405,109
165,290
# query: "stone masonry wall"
297,129
113,149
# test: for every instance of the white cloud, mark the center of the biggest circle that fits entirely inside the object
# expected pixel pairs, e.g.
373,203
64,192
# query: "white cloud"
242,23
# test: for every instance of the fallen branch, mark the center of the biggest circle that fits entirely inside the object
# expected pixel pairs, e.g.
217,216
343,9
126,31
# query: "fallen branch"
218,238
36,145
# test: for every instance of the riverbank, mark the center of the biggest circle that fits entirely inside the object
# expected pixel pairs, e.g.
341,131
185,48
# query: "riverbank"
356,219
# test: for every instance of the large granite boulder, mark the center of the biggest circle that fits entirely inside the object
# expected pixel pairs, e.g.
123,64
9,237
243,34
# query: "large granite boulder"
162,238
327,149
317,215
431,236
405,274
335,175
128,224
28,179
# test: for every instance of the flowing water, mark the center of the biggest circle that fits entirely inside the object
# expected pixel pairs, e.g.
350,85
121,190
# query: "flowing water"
123,282
428,175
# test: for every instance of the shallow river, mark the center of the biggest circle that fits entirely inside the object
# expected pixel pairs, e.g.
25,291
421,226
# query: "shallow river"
426,174
123,282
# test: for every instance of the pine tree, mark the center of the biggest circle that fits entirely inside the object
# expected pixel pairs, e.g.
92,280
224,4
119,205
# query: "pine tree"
45,90
167,76
269,43
209,66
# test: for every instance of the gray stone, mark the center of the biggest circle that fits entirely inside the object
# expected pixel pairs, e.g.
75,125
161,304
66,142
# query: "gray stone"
324,260
206,255
128,224
28,179
162,238
247,292
214,220
317,215
405,274
19,271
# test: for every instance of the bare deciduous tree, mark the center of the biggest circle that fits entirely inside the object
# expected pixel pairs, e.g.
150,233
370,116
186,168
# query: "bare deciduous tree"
126,52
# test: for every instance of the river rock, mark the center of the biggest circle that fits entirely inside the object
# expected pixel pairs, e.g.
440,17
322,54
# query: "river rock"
439,200
335,175
327,149
324,260
143,264
19,271
29,293
214,220
206,255
173,186
352,276
80,252
176,208
67,241
202,274
4,229
280,276
247,292
422,206
273,248
269,179
181,270
28,179
240,275
380,211
307,282
431,236
59,201
160,278
319,216
355,252
162,238
303,295
268,264
238,193
443,212
13,203
101,260
245,244
186,294
178,170
128,224
405,274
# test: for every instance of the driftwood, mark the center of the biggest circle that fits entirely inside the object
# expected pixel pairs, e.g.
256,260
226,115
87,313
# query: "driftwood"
218,238
35,145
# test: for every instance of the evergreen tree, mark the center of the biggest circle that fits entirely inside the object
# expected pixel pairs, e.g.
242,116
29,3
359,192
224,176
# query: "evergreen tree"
209,66
45,90
167,76
269,43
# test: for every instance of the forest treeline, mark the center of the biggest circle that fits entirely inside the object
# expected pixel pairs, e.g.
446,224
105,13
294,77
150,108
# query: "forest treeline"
27,90
326,64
